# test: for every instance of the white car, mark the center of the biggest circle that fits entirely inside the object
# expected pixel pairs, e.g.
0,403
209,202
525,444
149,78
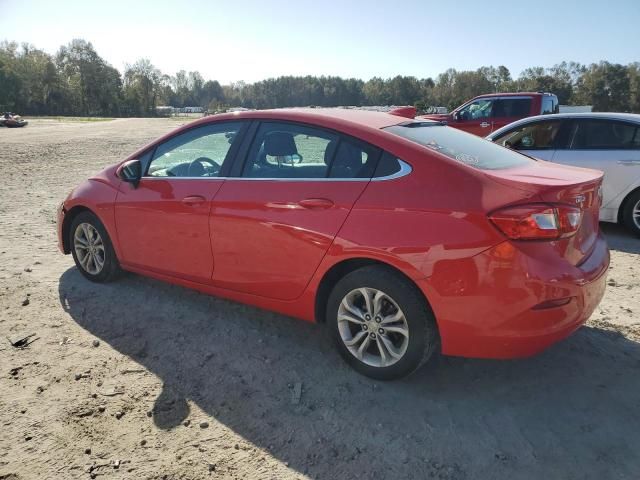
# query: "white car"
603,141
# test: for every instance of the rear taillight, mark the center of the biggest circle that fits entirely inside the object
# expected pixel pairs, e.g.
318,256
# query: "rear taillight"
538,221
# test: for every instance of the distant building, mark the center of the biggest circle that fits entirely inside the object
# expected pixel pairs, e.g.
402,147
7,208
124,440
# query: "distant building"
164,111
576,108
191,110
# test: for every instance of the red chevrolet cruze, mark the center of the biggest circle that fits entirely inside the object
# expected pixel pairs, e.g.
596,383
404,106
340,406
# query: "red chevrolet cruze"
402,235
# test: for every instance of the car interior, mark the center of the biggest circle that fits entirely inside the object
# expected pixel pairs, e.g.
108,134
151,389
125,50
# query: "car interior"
541,135
279,157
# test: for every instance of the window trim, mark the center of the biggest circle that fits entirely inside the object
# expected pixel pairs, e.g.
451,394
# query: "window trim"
228,161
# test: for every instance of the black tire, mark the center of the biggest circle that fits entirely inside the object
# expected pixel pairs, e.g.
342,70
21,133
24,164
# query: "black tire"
423,338
631,203
111,267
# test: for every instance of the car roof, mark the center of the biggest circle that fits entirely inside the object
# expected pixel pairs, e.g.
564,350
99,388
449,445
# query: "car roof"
512,94
629,117
319,116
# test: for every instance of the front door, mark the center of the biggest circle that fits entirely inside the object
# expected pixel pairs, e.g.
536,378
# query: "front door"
536,139
163,224
273,225
475,117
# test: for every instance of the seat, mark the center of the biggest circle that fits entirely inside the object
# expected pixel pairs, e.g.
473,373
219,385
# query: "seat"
280,144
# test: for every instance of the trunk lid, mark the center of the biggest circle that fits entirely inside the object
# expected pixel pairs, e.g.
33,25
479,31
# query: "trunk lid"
559,184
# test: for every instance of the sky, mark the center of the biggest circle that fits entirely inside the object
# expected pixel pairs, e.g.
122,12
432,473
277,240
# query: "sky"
252,40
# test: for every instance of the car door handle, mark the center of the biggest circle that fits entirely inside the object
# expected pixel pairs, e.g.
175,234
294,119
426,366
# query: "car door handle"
629,162
484,124
193,200
316,203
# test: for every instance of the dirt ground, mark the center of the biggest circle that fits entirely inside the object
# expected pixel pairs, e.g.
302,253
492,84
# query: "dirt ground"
140,379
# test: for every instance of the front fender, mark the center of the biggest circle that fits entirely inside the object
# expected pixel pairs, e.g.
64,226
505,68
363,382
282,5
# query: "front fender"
98,195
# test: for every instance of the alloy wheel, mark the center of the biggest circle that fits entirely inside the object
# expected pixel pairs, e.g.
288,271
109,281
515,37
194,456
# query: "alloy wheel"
635,214
89,248
373,327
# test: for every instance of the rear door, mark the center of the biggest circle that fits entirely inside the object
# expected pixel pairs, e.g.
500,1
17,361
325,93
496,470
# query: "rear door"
609,145
509,109
163,224
273,223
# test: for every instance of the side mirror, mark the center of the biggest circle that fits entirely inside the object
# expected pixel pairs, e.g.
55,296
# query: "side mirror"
456,116
130,172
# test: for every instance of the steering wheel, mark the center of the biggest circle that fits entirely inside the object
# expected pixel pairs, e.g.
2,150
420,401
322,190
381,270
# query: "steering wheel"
196,167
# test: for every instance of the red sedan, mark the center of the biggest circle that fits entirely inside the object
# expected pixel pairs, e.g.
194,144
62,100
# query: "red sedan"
404,236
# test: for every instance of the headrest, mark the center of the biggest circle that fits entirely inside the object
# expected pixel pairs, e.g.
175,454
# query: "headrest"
328,152
279,144
348,156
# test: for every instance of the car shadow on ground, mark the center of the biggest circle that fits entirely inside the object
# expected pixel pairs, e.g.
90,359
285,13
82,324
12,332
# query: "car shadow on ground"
571,412
620,238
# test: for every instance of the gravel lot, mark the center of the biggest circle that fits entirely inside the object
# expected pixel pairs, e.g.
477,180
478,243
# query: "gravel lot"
140,379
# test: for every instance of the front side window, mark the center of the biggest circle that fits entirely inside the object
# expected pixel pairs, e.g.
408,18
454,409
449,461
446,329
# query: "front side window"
536,136
512,107
604,135
478,110
460,146
198,152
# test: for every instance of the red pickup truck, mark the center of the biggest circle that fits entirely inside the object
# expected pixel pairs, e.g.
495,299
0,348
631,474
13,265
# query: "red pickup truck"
483,114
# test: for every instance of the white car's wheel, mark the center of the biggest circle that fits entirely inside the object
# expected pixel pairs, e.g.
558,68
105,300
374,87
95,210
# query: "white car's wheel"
631,213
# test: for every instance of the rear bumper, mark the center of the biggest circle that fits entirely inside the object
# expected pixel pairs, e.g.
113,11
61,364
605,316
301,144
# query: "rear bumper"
510,304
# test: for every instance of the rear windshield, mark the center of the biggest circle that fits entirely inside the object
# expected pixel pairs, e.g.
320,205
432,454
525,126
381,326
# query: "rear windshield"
460,146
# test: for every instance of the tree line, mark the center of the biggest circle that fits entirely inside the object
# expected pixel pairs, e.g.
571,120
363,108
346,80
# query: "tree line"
77,81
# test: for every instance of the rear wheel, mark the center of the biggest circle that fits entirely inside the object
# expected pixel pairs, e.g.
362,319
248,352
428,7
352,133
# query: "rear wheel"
631,213
381,323
92,249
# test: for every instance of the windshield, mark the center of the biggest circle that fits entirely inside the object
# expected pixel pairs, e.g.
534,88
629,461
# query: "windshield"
460,146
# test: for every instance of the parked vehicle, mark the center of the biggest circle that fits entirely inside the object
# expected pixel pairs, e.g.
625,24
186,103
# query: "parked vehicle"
12,120
403,236
483,114
604,141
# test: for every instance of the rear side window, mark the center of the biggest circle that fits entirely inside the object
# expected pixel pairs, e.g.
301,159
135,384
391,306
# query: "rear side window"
549,104
387,166
353,160
460,146
512,107
536,136
604,135
282,150
287,150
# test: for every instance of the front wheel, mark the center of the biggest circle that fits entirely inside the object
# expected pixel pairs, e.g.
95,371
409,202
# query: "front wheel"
381,323
92,250
631,213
